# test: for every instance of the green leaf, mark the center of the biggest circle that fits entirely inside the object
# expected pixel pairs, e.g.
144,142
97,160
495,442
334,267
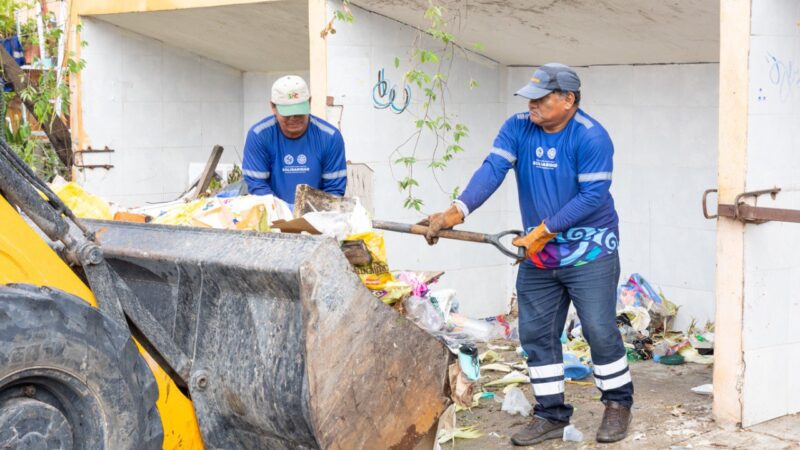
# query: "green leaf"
406,183
428,56
453,148
473,83
413,203
456,191
478,46
437,165
396,62
433,12
406,160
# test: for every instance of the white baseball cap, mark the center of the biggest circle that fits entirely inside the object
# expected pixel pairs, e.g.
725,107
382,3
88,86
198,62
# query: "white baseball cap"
290,95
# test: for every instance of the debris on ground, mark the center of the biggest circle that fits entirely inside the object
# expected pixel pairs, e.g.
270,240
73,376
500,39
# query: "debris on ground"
448,431
704,389
572,434
461,387
516,403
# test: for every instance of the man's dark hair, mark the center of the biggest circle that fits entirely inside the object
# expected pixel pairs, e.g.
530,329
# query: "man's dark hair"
563,94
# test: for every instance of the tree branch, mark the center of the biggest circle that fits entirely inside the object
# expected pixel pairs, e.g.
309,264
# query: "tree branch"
56,130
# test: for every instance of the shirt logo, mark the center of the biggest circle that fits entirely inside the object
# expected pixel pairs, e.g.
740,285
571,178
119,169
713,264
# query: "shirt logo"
301,159
288,160
542,163
293,95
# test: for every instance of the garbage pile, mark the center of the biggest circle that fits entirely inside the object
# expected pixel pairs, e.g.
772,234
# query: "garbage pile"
645,319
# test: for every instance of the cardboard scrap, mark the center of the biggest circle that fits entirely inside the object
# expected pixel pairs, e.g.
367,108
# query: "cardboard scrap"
460,387
295,226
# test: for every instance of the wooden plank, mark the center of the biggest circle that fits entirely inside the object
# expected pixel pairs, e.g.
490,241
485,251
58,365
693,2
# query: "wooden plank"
359,184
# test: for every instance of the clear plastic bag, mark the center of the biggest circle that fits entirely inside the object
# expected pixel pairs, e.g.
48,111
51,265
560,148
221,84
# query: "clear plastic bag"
422,311
572,434
515,402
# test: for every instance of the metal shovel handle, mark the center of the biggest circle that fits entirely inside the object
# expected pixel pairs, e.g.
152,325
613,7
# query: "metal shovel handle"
470,236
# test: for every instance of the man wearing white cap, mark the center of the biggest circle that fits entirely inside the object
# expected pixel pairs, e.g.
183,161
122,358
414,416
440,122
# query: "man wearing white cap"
562,159
293,147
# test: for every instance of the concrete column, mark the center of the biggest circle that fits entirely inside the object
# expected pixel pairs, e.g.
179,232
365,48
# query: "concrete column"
733,121
318,55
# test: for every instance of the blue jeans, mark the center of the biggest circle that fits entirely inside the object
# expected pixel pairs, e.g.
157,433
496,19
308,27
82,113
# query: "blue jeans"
544,297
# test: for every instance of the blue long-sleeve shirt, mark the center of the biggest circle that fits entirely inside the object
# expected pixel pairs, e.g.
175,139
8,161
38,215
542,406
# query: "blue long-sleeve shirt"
563,180
275,164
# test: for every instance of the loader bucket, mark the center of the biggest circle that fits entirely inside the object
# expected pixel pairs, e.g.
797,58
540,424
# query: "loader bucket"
288,348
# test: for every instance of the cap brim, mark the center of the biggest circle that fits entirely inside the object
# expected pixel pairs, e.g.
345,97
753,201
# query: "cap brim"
532,92
298,109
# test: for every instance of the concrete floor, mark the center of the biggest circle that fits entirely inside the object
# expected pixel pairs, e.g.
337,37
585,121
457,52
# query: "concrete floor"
666,415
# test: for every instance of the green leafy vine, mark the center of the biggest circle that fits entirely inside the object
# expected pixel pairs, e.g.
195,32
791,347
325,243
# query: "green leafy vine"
434,119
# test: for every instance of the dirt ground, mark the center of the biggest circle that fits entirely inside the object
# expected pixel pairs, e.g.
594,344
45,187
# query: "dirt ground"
665,414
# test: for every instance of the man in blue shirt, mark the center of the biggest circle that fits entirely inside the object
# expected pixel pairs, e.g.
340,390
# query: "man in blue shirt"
293,147
562,159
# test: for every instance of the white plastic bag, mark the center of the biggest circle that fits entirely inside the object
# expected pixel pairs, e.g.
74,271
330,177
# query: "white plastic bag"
572,434
516,403
340,224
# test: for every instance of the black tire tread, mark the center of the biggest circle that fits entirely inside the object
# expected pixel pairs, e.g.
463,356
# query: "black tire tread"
31,307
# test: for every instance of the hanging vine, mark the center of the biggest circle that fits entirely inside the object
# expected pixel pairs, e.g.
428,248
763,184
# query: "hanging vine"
434,118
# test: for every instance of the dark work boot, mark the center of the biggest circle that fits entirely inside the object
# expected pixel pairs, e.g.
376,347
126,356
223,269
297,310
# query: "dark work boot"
614,426
538,430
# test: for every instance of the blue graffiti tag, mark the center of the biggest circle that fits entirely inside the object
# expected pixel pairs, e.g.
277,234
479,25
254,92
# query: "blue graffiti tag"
784,75
381,91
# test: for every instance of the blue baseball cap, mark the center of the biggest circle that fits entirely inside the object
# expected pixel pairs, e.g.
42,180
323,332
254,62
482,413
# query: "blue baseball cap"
548,78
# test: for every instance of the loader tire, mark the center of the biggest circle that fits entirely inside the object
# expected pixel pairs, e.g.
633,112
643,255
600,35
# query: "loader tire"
70,377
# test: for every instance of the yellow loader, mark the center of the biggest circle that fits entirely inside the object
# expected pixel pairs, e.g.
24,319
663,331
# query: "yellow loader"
134,336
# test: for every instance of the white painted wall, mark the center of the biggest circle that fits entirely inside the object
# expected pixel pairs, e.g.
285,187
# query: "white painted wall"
482,276
160,108
771,337
663,122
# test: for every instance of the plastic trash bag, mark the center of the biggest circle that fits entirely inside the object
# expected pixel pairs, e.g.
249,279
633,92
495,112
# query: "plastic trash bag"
480,330
374,275
515,402
340,224
249,212
82,203
572,434
180,214
422,312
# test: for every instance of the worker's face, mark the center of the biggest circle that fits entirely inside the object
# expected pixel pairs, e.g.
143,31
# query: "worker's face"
552,111
292,126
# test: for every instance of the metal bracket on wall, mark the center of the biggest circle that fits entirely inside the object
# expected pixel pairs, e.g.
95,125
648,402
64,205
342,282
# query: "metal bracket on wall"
89,149
746,213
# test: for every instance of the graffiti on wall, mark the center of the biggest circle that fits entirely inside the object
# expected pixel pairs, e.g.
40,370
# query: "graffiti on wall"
384,97
785,75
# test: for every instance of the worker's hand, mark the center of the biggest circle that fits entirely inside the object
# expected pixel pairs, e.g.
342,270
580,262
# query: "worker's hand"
446,220
535,241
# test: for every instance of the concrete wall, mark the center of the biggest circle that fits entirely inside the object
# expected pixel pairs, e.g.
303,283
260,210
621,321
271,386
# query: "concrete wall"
662,118
771,337
482,276
663,122
160,108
